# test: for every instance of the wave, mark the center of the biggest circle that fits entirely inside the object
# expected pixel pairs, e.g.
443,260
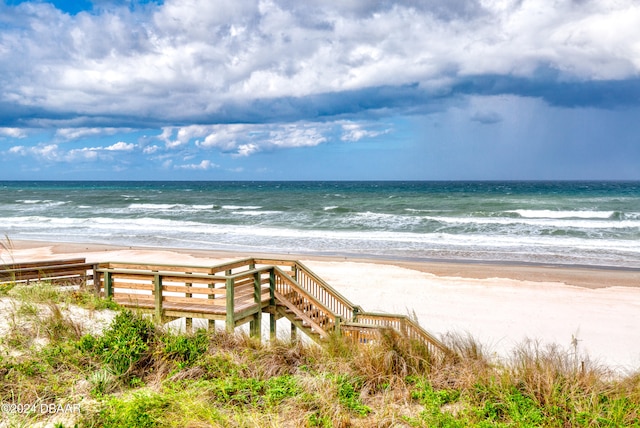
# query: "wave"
240,207
150,231
255,213
559,223
563,214
337,209
152,206
47,202
166,207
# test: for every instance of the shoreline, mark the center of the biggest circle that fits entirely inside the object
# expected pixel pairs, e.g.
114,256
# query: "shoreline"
499,305
587,276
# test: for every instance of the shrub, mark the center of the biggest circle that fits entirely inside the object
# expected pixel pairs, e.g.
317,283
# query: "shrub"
143,409
184,349
125,345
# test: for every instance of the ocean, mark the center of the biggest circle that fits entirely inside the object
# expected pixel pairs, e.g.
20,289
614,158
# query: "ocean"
582,223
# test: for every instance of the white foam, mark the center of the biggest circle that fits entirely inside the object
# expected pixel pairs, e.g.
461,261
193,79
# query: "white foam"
152,206
240,207
559,222
563,214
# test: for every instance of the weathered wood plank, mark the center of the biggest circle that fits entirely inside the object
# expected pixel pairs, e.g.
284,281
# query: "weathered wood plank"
42,263
193,290
51,270
194,300
156,267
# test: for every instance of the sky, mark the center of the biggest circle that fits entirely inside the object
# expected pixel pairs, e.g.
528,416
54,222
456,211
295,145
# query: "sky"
320,90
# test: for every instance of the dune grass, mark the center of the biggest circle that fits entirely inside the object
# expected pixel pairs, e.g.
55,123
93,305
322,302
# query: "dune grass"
135,374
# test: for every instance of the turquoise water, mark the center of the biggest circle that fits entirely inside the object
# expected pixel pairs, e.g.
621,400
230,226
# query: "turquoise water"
593,223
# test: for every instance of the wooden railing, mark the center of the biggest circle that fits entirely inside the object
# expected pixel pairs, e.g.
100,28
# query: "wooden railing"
305,306
67,271
367,327
315,286
187,291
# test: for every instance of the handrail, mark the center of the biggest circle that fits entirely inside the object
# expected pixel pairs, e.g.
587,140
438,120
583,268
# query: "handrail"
402,323
315,314
225,267
331,297
54,270
317,287
155,267
173,274
42,263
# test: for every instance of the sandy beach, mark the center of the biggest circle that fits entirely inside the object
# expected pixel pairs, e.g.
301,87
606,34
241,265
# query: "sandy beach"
499,304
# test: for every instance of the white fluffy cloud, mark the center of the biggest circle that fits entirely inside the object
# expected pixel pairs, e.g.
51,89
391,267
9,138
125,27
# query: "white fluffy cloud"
67,134
55,153
196,60
202,166
120,146
356,131
246,139
13,132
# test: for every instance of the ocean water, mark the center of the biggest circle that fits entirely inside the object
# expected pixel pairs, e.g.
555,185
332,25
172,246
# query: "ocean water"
587,223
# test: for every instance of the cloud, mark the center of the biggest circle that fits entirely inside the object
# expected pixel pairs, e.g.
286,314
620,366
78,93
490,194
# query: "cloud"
241,140
202,166
13,132
248,139
355,132
247,149
148,150
53,152
195,62
120,146
68,134
46,152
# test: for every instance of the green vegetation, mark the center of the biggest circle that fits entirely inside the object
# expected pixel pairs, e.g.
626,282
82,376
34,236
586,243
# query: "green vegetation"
135,374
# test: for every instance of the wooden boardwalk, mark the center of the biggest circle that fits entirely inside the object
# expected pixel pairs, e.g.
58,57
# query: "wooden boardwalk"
233,293
241,291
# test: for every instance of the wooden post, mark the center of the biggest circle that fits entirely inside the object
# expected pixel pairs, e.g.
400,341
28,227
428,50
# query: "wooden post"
108,284
188,322
157,289
96,279
337,326
294,332
356,311
272,304
212,323
256,323
230,323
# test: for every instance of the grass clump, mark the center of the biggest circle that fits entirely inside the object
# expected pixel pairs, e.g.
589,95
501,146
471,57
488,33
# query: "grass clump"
125,347
184,350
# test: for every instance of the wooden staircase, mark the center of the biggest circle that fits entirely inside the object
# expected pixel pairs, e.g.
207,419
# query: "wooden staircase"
304,315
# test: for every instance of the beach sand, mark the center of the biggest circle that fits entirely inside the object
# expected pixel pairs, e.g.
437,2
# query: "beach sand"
500,305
